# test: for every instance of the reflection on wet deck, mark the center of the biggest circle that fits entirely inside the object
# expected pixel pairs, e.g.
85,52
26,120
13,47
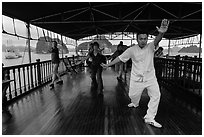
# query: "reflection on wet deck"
75,109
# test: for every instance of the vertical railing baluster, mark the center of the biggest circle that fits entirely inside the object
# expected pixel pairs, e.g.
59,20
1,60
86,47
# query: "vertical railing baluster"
44,73
48,71
24,79
31,75
8,77
14,77
50,64
197,73
19,78
200,74
176,68
28,76
47,67
167,66
194,76
35,71
185,75
38,71
41,68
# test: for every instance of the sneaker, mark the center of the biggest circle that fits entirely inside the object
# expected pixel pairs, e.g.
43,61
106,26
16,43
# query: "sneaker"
60,82
101,91
51,86
132,105
153,123
100,94
119,78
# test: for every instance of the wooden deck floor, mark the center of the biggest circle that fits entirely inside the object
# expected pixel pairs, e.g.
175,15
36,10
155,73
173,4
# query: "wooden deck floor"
75,109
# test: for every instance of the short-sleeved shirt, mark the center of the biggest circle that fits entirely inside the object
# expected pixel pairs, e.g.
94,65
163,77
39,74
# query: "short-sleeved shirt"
55,55
142,61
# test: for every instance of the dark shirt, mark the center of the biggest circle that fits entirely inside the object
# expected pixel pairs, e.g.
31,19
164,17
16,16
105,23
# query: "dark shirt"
55,55
116,54
96,60
120,52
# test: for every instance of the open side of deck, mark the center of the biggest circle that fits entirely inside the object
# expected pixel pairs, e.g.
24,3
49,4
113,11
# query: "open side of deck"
74,108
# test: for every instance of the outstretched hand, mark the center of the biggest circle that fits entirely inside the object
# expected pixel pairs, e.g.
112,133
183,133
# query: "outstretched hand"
164,26
104,65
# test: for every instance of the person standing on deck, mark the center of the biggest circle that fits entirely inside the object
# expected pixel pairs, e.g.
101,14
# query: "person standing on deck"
95,58
90,51
55,63
143,72
119,67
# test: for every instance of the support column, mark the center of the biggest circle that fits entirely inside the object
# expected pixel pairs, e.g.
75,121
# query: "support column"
62,45
28,41
76,50
131,42
200,46
29,53
169,47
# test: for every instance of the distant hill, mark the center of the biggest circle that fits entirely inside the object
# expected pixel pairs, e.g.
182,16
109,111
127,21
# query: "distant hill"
174,49
17,48
43,45
71,49
104,43
190,49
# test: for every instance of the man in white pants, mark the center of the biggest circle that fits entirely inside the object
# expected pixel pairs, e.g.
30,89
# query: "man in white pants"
143,72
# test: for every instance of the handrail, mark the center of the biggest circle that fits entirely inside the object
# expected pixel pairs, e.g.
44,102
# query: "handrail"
41,71
186,75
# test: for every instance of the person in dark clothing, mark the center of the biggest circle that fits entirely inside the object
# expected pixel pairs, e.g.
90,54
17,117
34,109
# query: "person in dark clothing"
94,60
119,67
55,63
159,52
90,51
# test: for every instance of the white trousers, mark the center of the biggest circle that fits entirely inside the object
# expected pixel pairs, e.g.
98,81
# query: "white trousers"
135,92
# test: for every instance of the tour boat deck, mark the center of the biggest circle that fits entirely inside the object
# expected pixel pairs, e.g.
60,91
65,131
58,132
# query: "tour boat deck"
74,108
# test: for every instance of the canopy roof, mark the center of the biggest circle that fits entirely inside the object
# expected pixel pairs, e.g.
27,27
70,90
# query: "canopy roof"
81,19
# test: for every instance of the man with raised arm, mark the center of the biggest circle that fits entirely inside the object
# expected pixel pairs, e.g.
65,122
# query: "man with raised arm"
143,72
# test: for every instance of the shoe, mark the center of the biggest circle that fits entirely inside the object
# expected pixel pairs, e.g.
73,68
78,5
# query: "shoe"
60,82
51,86
100,94
153,123
119,78
132,105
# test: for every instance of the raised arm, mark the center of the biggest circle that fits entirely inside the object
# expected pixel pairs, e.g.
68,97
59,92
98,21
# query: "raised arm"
163,28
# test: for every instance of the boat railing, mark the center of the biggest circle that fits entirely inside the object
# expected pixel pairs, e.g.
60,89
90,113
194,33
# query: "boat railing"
27,77
182,77
187,58
174,73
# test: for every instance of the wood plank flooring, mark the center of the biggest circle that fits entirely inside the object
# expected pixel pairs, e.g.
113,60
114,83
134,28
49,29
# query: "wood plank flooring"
74,108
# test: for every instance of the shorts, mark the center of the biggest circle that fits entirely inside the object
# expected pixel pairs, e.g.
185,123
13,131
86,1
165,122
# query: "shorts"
55,67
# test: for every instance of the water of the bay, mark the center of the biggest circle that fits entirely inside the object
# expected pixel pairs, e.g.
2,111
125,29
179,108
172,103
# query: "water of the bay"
25,58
